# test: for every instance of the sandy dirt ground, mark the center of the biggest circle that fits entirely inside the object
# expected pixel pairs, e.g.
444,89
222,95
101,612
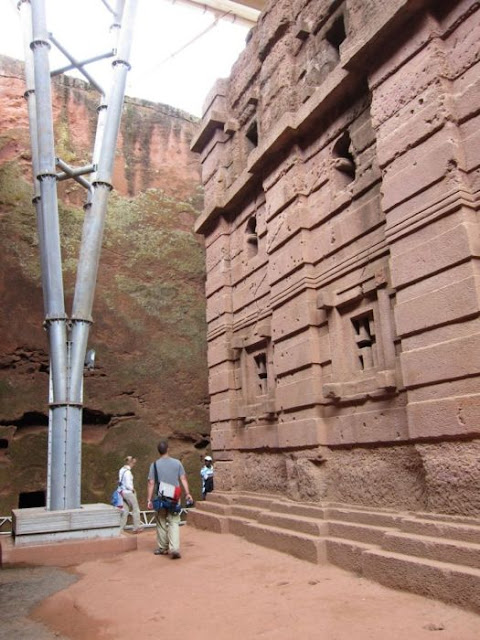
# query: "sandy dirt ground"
224,588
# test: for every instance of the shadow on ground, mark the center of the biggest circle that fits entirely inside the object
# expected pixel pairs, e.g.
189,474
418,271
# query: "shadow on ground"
22,589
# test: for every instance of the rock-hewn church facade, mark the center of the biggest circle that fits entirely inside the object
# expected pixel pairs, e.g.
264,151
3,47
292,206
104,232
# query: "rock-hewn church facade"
341,166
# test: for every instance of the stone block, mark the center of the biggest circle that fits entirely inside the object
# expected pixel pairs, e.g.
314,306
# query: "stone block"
63,553
296,314
455,416
427,164
222,440
367,426
471,141
289,257
434,363
221,408
284,191
287,224
452,303
467,90
462,46
256,437
252,288
297,352
453,584
304,391
213,120
410,80
361,217
37,525
302,546
212,161
439,253
219,304
298,432
413,123
221,378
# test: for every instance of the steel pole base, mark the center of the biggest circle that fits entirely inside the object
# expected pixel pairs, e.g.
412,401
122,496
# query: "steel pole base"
64,538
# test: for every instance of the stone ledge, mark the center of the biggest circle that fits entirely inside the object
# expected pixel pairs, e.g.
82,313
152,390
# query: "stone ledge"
39,520
63,554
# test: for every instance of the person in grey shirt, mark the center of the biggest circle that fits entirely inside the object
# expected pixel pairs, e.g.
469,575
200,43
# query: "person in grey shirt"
170,472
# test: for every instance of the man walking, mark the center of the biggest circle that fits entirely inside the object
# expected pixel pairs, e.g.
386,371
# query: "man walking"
164,477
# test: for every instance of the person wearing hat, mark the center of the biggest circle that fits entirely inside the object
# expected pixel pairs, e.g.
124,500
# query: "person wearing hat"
207,477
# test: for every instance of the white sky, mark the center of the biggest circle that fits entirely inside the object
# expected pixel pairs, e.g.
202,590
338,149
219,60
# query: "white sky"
163,27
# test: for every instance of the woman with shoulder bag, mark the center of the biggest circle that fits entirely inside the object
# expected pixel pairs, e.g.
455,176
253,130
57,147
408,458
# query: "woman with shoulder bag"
130,502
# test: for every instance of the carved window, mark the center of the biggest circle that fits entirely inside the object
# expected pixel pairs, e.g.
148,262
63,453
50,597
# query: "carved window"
365,341
362,342
252,236
254,383
336,34
252,135
344,161
260,360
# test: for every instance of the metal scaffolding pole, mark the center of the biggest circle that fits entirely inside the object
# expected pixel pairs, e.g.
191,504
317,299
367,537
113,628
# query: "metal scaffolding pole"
68,338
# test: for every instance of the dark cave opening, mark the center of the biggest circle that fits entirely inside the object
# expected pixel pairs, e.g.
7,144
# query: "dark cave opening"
30,499
29,419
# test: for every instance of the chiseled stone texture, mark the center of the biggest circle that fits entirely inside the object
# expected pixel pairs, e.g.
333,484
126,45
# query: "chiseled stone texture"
341,166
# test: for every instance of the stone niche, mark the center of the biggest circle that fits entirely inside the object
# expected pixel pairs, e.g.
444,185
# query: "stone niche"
341,170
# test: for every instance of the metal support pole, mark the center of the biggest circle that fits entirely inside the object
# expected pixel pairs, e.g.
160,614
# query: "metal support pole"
68,340
55,317
95,215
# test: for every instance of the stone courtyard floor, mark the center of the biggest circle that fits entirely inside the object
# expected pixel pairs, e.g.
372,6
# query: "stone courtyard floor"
223,588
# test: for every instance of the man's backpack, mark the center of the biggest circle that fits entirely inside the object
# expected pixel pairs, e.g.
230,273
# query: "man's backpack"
168,495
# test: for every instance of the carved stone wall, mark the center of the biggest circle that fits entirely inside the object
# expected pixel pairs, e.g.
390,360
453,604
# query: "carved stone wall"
341,166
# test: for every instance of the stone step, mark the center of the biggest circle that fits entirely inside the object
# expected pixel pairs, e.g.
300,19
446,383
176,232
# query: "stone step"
444,581
242,511
297,509
441,528
312,526
452,551
370,534
299,545
202,519
258,500
219,508
218,497
426,515
238,525
346,554
375,518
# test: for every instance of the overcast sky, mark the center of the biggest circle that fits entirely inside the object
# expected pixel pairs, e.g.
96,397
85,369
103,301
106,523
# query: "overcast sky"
162,70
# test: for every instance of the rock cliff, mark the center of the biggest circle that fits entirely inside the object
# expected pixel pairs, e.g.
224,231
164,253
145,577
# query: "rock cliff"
150,377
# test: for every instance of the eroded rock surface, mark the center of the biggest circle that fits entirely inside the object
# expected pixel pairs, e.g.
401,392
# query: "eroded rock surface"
149,327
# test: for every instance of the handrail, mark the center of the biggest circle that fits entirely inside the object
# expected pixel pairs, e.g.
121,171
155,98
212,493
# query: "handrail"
5,520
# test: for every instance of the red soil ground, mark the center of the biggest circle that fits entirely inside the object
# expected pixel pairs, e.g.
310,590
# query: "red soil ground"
224,588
